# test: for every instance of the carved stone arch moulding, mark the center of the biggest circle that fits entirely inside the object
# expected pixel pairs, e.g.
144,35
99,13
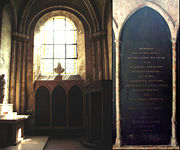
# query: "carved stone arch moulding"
76,13
13,15
25,15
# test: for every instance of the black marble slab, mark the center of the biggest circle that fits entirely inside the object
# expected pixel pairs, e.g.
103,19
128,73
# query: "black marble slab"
146,79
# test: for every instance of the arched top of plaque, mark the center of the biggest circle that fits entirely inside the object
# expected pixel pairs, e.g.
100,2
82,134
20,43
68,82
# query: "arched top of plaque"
146,20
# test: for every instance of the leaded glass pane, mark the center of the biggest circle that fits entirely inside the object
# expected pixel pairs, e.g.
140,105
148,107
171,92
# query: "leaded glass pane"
59,23
48,37
59,51
71,37
48,25
71,51
59,37
47,66
47,51
71,66
70,25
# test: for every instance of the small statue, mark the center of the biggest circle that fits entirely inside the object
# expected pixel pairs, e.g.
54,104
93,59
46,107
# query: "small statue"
2,88
58,70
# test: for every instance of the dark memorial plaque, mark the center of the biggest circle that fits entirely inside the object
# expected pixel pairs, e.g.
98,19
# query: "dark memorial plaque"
146,79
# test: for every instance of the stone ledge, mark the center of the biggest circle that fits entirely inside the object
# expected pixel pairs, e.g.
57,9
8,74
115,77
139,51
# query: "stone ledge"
146,147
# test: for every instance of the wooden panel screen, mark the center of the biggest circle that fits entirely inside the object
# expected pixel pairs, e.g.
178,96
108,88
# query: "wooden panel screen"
42,107
75,106
59,107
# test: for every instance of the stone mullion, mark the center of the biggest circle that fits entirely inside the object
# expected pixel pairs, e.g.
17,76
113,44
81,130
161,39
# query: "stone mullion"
173,119
118,142
106,58
12,88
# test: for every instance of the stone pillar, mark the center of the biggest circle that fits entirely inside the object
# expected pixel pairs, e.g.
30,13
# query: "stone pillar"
98,54
105,57
93,59
118,142
18,74
99,59
18,66
23,79
12,87
173,119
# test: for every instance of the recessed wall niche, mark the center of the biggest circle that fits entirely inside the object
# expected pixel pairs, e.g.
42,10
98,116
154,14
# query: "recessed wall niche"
146,79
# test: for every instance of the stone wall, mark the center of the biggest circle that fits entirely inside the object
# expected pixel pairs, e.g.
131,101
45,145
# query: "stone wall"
5,48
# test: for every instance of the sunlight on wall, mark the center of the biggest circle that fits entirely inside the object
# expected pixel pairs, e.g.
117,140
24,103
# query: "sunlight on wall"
5,49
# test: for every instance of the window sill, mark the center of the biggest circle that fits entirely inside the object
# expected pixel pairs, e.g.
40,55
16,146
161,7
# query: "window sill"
64,77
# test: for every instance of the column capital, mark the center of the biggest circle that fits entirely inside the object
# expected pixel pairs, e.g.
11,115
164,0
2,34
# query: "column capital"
19,36
98,35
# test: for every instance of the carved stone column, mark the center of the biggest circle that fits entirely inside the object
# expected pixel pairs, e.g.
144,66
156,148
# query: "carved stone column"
105,57
93,58
12,87
173,119
23,79
118,142
18,74
99,59
18,61
98,54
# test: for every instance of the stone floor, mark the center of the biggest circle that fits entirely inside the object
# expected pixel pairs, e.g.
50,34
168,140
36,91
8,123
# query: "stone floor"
48,143
65,144
30,143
